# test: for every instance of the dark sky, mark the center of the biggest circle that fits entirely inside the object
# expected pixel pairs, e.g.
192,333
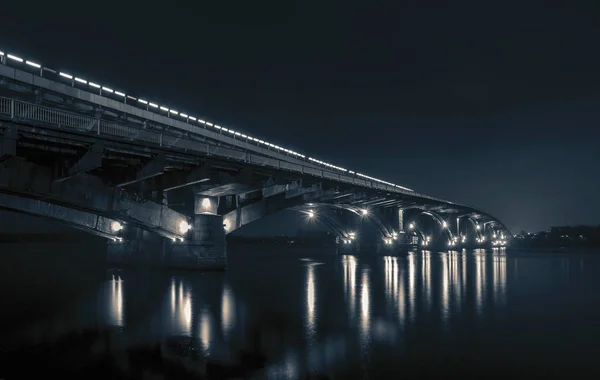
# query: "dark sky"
493,106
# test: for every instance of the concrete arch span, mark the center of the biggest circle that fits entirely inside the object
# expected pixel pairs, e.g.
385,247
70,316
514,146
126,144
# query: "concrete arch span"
82,220
355,210
438,219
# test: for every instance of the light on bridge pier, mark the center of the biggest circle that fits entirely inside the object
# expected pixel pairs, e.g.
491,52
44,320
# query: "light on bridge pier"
499,243
411,226
184,227
349,238
445,224
311,214
116,226
364,212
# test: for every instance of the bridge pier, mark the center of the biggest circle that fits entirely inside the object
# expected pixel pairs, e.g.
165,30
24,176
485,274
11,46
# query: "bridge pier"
205,246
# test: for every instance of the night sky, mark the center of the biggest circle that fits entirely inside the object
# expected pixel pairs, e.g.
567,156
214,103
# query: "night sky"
492,106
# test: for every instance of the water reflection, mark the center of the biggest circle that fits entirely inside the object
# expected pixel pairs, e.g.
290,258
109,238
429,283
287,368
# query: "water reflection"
365,308
445,294
278,310
115,302
311,299
455,279
499,278
394,288
349,265
227,311
426,278
205,334
479,280
412,284
181,308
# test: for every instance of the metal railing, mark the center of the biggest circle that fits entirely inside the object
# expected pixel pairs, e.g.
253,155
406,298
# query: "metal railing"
24,111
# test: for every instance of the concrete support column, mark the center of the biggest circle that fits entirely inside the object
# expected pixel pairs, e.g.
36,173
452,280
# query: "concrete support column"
204,246
400,220
397,242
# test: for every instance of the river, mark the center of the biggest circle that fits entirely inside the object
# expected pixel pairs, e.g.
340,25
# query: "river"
279,313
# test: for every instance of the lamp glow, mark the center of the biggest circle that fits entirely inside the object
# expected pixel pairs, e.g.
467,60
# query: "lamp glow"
116,226
184,227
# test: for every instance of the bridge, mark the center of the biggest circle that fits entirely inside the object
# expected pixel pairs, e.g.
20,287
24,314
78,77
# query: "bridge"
166,186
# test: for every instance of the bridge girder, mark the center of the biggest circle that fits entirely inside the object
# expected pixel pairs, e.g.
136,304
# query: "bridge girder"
87,193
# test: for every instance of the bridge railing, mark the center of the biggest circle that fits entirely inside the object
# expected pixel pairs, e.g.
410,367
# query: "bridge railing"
47,116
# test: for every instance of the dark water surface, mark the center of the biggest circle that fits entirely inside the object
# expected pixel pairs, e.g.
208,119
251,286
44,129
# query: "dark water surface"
279,314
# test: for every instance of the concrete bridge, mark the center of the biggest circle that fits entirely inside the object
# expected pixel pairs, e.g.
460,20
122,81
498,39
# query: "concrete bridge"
166,186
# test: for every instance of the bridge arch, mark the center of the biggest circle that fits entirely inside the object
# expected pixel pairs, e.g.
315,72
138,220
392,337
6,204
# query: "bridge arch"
444,226
328,220
365,213
337,225
91,223
250,213
477,227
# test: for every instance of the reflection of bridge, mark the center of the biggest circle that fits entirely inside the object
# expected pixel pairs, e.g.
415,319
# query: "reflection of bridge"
168,186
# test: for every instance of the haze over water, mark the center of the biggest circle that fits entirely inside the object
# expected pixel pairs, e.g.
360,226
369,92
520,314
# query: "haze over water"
344,316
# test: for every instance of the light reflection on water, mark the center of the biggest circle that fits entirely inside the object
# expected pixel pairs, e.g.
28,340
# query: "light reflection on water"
114,302
311,300
348,308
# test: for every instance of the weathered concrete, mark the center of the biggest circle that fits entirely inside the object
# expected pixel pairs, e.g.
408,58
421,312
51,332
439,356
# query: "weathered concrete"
89,222
204,247
153,168
87,192
92,159
8,145
275,198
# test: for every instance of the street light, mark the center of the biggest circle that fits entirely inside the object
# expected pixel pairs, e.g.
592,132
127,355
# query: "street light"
311,214
411,226
365,212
